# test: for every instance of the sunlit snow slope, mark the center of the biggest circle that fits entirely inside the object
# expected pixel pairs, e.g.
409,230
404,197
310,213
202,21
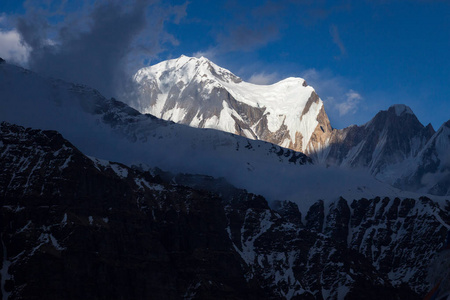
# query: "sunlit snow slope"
196,92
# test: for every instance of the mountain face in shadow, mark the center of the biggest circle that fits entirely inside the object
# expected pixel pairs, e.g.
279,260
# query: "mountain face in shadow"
74,225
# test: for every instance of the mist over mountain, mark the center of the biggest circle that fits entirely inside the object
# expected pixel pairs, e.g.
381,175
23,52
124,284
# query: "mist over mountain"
111,130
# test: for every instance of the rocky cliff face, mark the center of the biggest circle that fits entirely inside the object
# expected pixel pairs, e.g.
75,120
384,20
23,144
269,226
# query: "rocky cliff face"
431,171
362,249
389,138
198,93
75,227
396,148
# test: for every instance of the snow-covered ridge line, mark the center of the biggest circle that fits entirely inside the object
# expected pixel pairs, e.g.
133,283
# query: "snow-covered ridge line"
197,92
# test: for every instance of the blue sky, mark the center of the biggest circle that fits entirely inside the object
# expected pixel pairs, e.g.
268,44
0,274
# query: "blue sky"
360,56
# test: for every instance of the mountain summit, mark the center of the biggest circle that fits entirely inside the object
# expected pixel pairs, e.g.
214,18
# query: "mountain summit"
387,145
197,92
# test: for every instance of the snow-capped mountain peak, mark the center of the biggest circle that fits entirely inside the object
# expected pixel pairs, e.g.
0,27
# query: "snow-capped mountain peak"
197,92
401,109
184,69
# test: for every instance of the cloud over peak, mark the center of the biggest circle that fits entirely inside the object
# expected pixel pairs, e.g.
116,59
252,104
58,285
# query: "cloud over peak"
11,47
340,100
264,78
96,44
350,103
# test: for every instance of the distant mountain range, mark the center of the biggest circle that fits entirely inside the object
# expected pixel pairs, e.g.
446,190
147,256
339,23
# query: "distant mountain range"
394,146
99,200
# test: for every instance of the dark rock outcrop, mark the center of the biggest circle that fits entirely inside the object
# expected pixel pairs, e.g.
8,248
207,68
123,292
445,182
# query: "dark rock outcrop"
76,227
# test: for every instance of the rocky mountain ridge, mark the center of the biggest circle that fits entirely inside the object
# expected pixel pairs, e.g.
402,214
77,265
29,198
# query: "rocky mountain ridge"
396,148
75,226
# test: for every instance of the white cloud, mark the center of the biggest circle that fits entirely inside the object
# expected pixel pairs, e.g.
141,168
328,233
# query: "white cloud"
336,92
263,78
209,53
11,48
350,104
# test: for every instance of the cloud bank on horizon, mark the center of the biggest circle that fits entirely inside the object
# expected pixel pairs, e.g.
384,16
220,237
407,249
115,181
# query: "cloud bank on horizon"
360,56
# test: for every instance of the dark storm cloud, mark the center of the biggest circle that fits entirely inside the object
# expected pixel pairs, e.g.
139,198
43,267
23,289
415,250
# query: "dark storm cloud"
93,46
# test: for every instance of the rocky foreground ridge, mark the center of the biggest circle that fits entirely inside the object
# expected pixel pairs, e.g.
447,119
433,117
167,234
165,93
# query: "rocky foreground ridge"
73,226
